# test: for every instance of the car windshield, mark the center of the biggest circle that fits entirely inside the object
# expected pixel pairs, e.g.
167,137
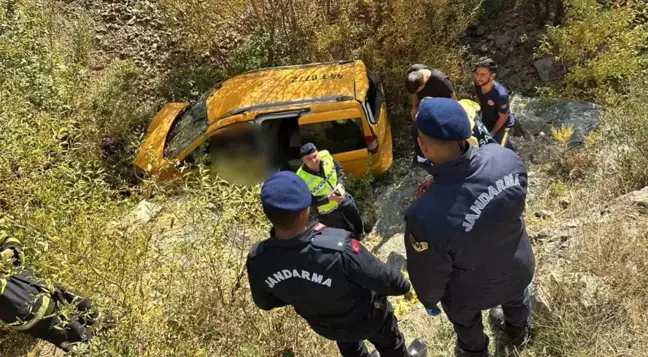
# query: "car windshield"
187,128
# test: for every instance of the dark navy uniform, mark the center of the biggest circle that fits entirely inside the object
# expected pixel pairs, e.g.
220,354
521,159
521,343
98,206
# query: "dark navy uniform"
467,245
334,283
492,104
465,238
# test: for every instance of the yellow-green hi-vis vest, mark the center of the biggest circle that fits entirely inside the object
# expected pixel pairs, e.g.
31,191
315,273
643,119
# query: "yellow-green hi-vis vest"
8,241
319,186
471,108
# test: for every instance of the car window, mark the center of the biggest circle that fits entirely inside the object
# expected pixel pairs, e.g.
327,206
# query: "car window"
374,97
335,136
187,128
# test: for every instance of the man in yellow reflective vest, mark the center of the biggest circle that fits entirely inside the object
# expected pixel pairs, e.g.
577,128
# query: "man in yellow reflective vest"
325,179
33,306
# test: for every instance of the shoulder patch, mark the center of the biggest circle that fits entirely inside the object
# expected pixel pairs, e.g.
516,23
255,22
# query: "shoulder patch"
355,246
333,240
318,227
416,245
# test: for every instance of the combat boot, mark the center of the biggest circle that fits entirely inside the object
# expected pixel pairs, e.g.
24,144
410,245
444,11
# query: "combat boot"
519,335
417,348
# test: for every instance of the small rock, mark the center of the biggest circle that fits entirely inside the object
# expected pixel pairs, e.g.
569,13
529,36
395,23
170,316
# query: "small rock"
498,57
502,71
594,289
542,134
531,124
538,236
544,67
573,223
543,214
541,302
481,30
144,212
491,37
504,41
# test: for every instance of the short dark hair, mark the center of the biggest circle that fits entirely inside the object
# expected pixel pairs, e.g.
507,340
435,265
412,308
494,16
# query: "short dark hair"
281,219
414,81
488,64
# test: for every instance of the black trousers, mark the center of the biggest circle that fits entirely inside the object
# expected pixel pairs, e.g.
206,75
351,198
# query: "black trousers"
389,341
346,216
53,330
470,330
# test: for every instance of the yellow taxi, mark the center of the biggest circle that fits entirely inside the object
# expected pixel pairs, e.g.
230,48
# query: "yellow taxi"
338,106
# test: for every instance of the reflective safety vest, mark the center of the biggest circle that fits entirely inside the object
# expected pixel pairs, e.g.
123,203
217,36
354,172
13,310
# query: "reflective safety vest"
319,186
22,288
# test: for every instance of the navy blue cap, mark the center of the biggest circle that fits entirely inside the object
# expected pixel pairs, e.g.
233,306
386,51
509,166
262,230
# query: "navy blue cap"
285,191
443,119
306,149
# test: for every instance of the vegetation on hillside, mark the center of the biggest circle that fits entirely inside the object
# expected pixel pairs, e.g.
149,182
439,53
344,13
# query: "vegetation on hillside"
69,130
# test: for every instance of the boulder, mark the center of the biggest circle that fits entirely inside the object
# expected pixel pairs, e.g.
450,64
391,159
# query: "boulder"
502,72
531,124
583,117
544,67
504,41
499,57
144,213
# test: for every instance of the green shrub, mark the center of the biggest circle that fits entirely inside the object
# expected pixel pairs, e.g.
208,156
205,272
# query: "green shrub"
628,123
600,46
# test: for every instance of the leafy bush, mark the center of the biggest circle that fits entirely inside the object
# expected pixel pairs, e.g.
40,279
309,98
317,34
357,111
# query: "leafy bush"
628,123
601,46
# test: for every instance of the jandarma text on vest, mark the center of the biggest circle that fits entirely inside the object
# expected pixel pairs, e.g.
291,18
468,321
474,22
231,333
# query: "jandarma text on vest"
485,198
294,273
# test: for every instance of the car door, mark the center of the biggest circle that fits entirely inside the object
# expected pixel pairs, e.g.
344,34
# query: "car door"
376,112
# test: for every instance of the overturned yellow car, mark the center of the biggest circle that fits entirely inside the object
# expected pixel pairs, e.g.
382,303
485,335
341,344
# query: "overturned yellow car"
259,120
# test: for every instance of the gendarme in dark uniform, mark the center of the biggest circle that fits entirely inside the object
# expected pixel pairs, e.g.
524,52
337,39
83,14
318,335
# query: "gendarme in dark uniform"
328,277
466,241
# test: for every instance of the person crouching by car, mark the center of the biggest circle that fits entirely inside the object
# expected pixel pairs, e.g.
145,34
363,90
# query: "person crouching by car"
325,179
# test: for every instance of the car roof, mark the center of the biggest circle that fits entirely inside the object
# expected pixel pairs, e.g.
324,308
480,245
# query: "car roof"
289,85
